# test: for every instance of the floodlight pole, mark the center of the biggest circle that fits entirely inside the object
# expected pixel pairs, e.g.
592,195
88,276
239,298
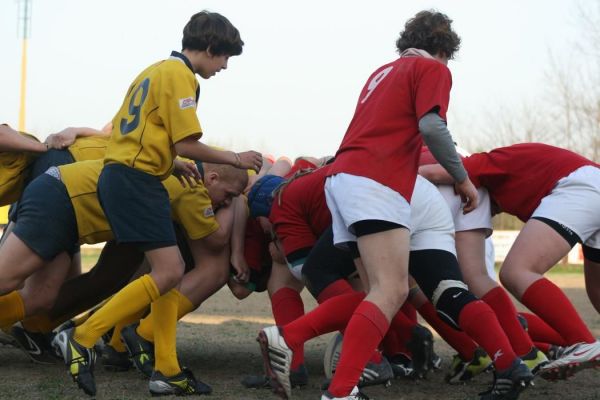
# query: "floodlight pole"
24,33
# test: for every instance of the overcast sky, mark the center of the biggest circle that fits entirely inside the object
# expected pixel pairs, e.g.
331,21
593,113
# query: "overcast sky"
294,88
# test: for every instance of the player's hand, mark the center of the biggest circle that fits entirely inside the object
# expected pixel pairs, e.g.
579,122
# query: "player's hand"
63,139
187,173
249,160
242,271
276,253
468,194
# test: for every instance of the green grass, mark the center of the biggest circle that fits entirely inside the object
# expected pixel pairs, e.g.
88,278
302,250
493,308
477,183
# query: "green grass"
89,258
560,269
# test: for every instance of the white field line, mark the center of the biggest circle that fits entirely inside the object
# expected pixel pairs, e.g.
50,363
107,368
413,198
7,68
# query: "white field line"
220,319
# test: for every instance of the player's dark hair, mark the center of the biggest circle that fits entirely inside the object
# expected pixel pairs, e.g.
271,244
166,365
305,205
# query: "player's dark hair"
430,31
212,30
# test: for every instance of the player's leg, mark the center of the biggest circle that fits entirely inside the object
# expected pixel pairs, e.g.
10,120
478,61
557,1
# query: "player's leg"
460,308
591,266
470,248
537,248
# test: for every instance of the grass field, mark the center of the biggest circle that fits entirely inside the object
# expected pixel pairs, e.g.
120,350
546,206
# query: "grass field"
218,343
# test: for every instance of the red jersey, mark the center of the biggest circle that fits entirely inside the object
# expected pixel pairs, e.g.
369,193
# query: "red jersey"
300,164
517,177
256,245
301,216
426,158
383,142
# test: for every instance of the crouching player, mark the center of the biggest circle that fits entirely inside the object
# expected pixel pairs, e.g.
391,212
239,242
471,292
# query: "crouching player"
434,266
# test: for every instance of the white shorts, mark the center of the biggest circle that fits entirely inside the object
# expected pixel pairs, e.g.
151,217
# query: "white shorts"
575,203
432,225
490,258
479,218
352,198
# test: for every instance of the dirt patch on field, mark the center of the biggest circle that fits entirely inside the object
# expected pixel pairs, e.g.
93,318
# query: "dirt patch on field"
218,343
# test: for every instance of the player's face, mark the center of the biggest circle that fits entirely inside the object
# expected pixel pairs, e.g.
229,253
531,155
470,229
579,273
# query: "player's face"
222,193
213,65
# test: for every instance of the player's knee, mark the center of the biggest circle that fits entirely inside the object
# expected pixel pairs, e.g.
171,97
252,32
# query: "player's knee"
394,296
9,284
449,298
38,301
507,276
168,276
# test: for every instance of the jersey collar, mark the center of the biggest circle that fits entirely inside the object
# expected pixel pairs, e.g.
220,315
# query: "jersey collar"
183,58
200,168
175,55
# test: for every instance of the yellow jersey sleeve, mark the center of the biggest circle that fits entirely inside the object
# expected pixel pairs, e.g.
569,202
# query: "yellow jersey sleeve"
191,208
89,148
158,111
13,172
81,180
178,105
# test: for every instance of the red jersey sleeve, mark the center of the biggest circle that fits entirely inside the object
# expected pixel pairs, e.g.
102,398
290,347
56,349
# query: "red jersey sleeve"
433,82
477,166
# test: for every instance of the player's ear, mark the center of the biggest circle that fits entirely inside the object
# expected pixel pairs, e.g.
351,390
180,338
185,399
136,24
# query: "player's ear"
209,52
212,177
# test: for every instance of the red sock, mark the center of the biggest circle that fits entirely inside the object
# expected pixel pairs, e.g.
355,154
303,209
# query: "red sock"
341,286
402,326
392,345
546,300
479,321
287,306
540,331
363,334
332,315
410,311
460,341
505,310
543,347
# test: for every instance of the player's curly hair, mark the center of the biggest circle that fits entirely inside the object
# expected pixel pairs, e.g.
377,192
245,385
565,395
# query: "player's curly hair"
431,31
212,30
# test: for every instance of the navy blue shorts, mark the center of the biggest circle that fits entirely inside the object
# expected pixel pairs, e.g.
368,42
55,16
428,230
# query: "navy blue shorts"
137,207
46,220
51,158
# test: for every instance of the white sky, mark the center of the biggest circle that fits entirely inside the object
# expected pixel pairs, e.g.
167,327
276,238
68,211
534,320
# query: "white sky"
294,88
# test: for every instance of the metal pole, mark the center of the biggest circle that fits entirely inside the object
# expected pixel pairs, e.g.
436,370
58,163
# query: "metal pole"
25,20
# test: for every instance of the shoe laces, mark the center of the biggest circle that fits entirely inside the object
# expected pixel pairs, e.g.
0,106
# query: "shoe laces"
360,396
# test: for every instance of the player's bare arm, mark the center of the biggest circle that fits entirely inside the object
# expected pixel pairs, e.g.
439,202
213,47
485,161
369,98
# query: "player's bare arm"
11,140
66,137
191,148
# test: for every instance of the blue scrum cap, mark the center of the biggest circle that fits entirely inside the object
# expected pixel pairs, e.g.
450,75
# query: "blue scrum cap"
260,197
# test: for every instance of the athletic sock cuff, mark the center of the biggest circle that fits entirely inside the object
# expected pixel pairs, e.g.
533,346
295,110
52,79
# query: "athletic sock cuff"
371,312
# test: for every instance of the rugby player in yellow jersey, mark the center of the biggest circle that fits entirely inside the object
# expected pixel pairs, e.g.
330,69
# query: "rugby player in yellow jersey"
156,122
60,208
20,152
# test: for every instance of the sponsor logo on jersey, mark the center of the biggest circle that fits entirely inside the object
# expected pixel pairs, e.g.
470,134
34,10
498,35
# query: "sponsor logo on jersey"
208,212
188,102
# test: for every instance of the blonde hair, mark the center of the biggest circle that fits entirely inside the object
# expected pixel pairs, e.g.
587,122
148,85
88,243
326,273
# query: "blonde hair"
228,173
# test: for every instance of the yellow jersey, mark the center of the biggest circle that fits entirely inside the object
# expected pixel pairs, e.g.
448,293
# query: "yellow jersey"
89,148
190,207
13,172
81,180
158,111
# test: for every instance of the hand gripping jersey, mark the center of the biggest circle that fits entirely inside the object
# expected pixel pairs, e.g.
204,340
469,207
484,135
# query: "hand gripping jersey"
14,166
